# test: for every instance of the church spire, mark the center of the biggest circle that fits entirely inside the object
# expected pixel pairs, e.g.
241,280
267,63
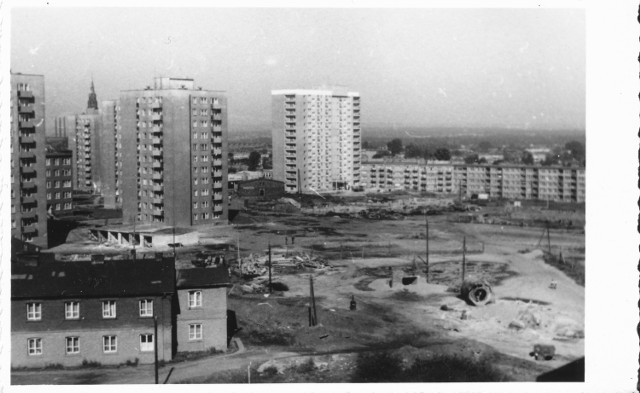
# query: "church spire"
93,100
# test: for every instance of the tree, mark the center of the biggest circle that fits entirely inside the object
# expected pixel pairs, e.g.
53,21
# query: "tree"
267,163
471,159
395,146
412,151
527,158
484,146
442,154
576,149
254,160
365,145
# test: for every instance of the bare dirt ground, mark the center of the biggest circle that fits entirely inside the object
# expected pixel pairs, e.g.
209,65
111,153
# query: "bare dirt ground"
408,319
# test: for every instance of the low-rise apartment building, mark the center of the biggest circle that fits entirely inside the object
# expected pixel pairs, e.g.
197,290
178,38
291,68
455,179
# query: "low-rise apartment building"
553,183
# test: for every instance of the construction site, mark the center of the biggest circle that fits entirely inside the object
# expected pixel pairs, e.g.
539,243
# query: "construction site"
324,284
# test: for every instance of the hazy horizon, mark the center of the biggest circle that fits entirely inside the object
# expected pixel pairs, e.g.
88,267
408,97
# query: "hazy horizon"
431,68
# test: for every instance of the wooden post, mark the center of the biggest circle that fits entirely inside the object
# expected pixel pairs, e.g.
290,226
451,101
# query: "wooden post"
270,286
314,316
426,221
464,260
548,239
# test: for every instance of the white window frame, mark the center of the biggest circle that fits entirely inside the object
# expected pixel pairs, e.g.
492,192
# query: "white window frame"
72,345
145,344
195,299
34,346
146,308
109,344
34,311
109,310
195,331
72,310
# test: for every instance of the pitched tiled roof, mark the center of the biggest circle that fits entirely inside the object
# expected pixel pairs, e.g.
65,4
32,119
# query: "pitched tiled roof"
116,278
203,277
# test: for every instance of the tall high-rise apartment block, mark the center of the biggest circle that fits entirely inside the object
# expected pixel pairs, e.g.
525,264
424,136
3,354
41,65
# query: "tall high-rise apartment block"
108,178
316,139
81,129
28,191
174,147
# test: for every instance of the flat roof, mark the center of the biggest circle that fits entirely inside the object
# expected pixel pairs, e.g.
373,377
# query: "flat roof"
146,229
418,163
319,92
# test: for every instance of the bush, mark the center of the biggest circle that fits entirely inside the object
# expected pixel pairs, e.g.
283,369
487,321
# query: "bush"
278,286
270,371
386,367
132,363
90,363
378,367
448,368
307,367
53,366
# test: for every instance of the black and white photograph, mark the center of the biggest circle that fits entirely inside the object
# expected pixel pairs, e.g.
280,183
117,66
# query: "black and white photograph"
322,194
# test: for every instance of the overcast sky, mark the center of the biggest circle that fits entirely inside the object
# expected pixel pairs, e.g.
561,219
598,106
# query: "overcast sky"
517,68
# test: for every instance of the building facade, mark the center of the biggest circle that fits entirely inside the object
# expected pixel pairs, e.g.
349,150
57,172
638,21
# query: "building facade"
563,184
65,313
316,139
174,138
261,189
59,181
202,317
109,164
28,191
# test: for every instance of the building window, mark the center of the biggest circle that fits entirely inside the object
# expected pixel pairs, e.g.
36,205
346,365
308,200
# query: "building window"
34,311
109,344
146,308
195,216
57,206
57,184
48,184
48,162
195,299
34,346
67,194
67,205
71,309
57,195
48,196
73,345
146,343
66,161
67,183
195,331
109,309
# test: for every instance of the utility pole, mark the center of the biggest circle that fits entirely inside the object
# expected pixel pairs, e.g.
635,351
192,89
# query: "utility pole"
270,286
313,317
548,239
238,247
155,345
426,221
464,260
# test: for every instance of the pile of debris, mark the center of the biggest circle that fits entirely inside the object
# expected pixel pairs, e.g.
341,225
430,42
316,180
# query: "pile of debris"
258,265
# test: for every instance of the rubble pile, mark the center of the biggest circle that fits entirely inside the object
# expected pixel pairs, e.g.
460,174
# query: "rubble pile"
258,265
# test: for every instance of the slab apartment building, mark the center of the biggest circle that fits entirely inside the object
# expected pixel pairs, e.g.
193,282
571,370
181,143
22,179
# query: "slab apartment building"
316,139
82,130
553,183
27,144
174,139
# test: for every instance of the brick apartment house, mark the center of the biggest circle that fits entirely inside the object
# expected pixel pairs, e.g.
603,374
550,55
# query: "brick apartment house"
202,309
69,312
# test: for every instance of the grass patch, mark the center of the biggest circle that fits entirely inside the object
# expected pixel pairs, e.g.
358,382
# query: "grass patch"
387,367
571,266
